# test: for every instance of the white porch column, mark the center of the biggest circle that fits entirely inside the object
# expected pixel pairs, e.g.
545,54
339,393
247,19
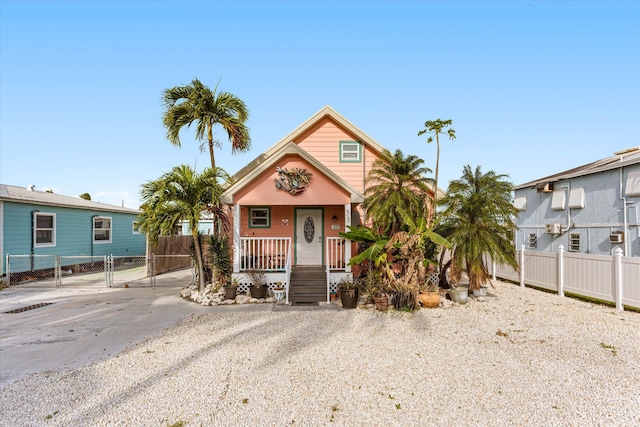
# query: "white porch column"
236,238
347,246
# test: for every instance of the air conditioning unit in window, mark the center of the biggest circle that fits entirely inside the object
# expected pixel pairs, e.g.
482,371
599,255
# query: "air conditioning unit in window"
553,228
616,237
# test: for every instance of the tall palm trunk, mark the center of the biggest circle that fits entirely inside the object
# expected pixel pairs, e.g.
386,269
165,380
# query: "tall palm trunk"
210,138
196,244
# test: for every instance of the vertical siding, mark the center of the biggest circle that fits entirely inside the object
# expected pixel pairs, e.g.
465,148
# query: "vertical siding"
603,213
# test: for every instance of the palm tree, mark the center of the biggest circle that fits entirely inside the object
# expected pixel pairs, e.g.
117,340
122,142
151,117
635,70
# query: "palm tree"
180,195
196,103
479,219
396,182
436,127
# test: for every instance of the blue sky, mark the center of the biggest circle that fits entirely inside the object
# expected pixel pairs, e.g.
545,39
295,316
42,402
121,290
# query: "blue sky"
533,88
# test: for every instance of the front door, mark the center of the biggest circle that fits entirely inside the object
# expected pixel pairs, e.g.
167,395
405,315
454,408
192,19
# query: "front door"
309,237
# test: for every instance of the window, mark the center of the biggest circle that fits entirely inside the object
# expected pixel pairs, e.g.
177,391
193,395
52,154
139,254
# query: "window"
350,151
44,230
134,228
259,218
101,229
532,241
574,242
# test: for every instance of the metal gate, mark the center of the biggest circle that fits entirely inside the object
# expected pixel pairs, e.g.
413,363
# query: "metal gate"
45,271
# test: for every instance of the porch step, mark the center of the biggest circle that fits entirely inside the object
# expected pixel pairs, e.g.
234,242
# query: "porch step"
308,284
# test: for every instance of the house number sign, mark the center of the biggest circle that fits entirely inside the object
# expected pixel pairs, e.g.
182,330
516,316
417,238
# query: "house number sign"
309,229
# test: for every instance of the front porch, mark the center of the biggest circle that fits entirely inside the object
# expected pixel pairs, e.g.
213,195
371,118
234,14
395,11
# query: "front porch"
303,283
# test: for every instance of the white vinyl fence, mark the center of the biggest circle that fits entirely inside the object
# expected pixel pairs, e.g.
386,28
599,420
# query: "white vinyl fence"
612,278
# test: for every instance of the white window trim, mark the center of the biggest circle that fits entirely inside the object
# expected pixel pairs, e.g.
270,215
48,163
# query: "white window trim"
357,152
573,239
35,230
93,233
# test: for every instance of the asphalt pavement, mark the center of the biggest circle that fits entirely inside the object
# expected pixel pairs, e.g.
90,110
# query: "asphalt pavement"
52,328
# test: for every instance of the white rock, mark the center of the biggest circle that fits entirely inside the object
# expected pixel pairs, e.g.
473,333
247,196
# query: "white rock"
253,300
185,293
242,299
227,302
270,300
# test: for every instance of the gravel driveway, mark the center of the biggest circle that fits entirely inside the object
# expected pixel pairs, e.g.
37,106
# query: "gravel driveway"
517,357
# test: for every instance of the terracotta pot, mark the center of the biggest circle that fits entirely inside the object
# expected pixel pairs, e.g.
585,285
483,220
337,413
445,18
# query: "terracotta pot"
382,303
430,299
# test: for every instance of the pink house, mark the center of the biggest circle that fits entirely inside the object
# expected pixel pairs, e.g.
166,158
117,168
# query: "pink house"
290,203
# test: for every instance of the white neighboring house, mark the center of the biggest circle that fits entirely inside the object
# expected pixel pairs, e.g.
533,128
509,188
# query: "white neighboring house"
589,209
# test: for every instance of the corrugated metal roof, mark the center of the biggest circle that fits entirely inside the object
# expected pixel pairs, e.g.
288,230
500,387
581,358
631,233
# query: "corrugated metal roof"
622,158
24,195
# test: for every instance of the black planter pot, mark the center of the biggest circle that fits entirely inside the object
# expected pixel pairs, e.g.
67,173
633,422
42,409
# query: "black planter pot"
230,292
349,298
258,293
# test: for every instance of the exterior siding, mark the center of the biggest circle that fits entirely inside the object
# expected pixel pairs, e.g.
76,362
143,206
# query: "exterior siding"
322,141
74,231
602,214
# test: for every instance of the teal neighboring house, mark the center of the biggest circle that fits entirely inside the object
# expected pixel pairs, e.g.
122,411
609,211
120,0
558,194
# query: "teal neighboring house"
40,223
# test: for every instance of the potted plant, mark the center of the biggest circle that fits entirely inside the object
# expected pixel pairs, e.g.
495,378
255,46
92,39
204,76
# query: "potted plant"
349,292
375,289
258,288
430,293
231,289
278,291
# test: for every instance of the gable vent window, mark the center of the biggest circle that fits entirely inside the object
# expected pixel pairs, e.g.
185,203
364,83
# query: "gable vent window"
350,151
574,242
532,241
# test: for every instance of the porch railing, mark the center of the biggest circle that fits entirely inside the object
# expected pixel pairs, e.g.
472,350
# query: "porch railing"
264,253
335,259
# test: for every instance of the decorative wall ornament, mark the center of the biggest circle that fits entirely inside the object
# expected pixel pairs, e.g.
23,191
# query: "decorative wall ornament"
294,181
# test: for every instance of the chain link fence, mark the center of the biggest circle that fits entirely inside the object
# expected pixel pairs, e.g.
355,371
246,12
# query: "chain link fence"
47,271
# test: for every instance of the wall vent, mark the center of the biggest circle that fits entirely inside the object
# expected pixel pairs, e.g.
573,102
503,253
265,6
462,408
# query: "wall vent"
552,228
616,237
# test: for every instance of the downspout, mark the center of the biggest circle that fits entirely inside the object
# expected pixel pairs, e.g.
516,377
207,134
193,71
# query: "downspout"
33,237
568,187
91,234
625,202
